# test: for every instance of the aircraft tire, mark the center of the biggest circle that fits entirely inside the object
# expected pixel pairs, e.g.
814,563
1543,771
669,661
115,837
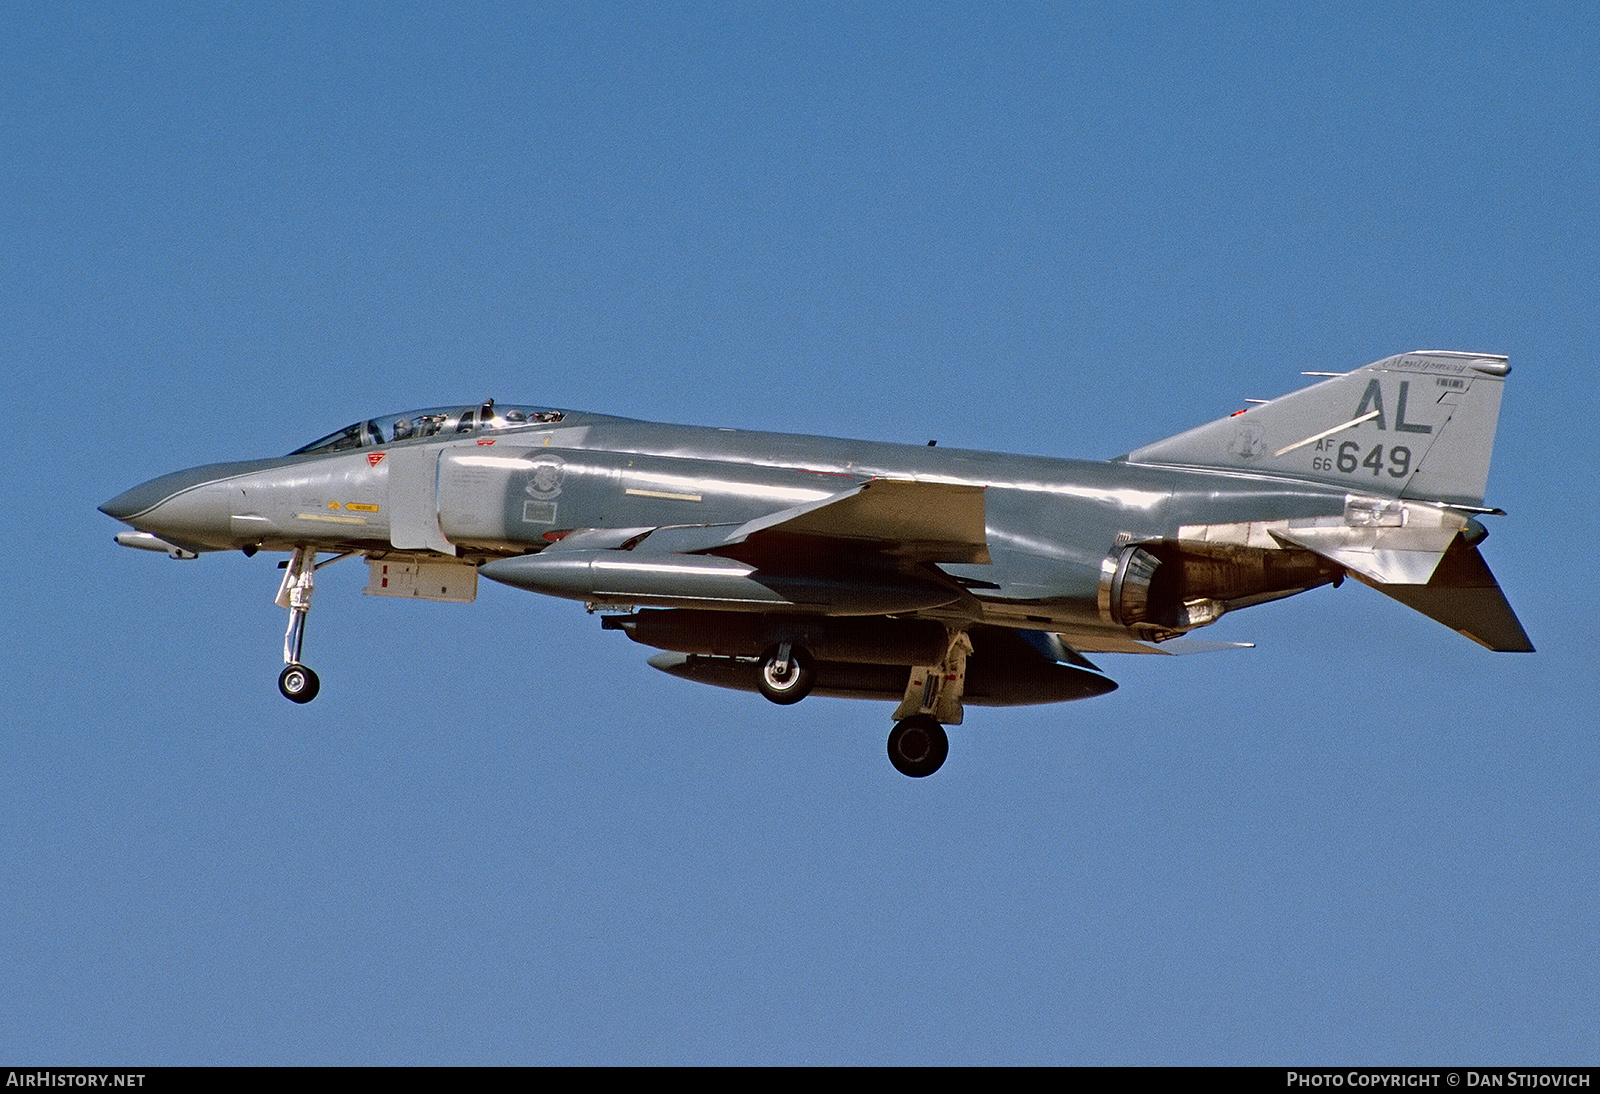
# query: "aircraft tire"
918,746
298,683
791,686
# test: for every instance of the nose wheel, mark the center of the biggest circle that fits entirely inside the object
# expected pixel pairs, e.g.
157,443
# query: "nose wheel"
298,683
918,746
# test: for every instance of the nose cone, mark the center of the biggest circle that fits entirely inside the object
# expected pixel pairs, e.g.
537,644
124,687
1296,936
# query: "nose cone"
128,503
131,506
192,508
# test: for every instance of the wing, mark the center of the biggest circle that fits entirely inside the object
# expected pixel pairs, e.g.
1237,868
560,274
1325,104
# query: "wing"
895,518
862,551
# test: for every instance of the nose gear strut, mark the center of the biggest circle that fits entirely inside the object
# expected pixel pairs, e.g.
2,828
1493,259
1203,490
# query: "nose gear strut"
297,682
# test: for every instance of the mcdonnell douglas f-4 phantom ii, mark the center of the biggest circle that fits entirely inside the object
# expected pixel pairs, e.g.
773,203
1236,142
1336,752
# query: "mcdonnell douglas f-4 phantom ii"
931,577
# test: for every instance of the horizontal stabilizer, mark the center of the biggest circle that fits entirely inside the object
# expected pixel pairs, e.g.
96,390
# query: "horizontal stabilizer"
1401,543
1464,596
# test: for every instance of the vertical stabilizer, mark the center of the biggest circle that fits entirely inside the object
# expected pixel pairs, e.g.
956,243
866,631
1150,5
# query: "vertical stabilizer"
1417,425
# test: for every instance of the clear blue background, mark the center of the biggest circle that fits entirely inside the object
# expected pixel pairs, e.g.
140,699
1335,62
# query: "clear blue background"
498,836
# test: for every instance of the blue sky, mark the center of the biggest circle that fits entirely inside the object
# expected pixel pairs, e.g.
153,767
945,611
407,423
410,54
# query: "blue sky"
498,836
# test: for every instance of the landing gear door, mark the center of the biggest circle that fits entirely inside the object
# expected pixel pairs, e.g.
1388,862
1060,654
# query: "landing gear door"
414,501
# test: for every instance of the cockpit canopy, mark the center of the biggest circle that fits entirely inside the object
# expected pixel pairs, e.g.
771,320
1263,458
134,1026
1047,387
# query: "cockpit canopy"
436,421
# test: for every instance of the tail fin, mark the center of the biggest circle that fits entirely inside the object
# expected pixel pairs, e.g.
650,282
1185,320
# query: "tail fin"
1417,425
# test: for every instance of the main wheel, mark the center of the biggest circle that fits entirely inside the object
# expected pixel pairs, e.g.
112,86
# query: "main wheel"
298,683
790,684
918,746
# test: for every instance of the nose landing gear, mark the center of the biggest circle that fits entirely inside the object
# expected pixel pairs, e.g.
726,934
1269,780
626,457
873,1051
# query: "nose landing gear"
297,682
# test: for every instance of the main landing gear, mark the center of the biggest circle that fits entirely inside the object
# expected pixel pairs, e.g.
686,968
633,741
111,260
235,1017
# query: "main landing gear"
787,674
297,682
918,744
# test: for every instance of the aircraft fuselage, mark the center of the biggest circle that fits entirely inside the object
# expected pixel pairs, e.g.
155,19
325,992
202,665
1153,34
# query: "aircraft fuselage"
1051,523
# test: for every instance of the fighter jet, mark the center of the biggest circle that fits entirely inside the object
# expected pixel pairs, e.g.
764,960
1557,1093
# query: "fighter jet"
934,578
